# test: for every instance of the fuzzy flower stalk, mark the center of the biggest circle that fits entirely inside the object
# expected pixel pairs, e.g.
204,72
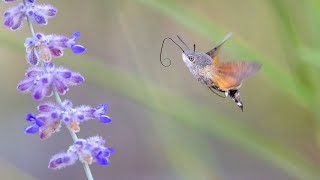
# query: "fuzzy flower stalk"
44,79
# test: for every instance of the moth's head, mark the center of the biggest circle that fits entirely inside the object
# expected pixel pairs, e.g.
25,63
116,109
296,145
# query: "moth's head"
189,57
192,58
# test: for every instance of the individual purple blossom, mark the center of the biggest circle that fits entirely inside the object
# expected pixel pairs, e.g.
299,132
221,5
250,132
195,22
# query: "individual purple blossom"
86,150
41,81
52,115
36,124
50,46
38,14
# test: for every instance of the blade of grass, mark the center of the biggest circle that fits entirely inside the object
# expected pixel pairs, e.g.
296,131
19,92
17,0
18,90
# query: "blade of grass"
292,42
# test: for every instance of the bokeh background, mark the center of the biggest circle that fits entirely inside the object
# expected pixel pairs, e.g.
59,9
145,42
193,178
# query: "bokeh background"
166,125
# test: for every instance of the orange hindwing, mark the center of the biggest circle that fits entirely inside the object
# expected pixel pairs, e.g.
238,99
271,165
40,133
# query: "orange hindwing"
229,75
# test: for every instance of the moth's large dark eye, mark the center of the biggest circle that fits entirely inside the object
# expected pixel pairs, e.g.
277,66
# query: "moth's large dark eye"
191,58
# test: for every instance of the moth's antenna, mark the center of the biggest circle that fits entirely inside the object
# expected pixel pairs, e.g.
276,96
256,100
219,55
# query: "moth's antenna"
183,42
169,60
194,47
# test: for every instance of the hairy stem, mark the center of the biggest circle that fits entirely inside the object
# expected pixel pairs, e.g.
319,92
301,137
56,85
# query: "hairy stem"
59,101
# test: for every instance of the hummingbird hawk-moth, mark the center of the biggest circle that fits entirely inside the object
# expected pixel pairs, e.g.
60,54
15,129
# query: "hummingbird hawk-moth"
225,77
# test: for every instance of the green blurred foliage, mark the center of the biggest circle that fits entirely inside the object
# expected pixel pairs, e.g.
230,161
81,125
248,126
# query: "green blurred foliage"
185,130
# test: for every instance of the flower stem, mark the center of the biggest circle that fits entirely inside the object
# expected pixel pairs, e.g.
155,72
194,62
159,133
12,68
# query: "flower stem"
29,22
59,101
75,138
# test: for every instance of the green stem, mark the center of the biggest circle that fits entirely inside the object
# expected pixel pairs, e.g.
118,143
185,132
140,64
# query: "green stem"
75,138
59,101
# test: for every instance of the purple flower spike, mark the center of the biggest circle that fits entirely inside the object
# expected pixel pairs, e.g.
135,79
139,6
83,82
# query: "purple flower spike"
41,82
43,79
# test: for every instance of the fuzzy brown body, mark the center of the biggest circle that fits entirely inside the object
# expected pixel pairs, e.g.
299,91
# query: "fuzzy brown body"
203,74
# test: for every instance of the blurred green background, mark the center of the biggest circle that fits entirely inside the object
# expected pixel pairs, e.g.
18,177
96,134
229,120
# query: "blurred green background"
166,125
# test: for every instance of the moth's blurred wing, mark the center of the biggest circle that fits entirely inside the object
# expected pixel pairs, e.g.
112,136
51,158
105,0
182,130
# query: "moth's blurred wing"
213,53
230,75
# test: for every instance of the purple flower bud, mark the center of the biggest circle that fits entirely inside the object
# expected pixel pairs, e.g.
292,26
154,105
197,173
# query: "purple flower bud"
80,117
47,107
76,34
39,19
32,57
78,49
39,122
104,119
25,85
32,129
54,115
30,117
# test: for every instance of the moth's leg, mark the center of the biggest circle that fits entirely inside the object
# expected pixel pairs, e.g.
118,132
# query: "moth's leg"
212,90
217,88
235,96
